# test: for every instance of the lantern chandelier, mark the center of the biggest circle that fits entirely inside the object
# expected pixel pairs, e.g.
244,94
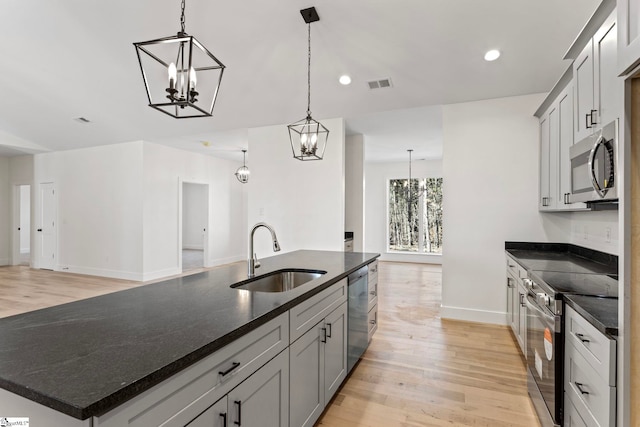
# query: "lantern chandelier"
308,137
172,67
243,171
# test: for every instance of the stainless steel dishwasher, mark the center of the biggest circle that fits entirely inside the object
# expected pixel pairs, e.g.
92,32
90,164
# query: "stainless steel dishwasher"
357,336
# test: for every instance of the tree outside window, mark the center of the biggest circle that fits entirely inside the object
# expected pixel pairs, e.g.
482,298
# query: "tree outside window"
415,215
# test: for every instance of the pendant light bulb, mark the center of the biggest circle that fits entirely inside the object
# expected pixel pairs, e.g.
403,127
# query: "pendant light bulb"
314,138
193,79
173,72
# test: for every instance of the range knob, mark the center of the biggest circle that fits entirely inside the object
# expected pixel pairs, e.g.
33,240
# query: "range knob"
528,283
543,299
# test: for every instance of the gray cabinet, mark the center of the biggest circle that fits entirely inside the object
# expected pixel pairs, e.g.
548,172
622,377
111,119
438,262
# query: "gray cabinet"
215,416
590,373
516,308
597,95
556,138
628,35
318,367
262,400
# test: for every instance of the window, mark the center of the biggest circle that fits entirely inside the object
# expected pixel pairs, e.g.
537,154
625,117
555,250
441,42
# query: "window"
415,215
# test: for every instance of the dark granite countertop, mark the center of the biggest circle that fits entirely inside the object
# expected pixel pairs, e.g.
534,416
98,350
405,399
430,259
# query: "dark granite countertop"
600,312
86,357
562,257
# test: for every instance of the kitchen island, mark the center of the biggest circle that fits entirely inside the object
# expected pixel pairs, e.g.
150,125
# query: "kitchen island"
85,358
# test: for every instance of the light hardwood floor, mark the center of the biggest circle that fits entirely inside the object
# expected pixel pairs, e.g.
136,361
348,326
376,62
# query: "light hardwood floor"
419,370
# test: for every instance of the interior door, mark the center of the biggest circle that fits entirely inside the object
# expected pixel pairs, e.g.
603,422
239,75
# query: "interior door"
47,230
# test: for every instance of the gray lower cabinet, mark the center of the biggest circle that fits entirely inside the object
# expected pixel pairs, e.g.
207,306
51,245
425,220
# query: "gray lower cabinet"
215,416
516,307
318,366
262,400
590,373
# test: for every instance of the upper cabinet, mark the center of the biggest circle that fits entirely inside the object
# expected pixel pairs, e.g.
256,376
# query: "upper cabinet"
595,77
556,137
628,35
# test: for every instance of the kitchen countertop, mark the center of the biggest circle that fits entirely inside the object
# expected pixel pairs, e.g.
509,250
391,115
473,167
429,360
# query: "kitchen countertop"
87,357
561,257
600,312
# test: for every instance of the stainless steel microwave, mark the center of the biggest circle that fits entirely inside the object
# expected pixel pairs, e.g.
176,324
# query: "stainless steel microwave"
594,165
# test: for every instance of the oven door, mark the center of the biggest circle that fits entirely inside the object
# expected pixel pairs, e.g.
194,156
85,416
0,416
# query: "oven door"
544,360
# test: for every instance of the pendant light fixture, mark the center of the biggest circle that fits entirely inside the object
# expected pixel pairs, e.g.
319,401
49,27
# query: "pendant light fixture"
243,171
308,137
180,75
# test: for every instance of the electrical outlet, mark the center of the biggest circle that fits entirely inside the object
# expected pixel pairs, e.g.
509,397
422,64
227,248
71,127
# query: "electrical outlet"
607,234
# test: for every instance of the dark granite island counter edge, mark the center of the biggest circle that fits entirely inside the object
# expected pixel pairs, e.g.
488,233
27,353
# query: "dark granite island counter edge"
213,323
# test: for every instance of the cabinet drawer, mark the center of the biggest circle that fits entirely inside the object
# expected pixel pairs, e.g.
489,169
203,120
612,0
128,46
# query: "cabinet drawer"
310,312
373,268
373,292
515,269
598,350
591,395
372,321
348,246
571,416
179,399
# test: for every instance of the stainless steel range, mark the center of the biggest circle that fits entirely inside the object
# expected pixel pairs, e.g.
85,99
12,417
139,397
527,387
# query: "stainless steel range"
545,331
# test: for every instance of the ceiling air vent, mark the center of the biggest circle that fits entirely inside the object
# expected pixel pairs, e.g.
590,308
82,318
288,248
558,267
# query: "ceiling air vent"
82,120
379,84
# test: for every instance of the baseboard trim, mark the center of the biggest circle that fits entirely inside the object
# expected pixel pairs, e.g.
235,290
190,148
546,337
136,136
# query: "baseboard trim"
222,261
472,315
193,247
101,272
159,274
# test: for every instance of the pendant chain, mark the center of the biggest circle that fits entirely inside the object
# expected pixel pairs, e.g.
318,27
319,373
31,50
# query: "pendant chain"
182,17
308,75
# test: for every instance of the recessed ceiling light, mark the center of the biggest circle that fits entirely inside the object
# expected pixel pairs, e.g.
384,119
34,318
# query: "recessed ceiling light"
492,55
345,79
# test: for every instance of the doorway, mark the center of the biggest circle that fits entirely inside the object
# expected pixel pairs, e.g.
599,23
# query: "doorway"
195,219
22,223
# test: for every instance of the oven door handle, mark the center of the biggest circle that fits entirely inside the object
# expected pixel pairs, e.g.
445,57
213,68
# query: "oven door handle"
533,305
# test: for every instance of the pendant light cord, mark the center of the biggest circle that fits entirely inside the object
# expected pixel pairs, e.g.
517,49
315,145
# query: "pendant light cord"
308,73
182,17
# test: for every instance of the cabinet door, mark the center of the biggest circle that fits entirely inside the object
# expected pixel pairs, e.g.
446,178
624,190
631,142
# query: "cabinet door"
522,318
584,87
262,400
335,351
307,378
511,298
608,89
543,200
629,34
215,416
554,151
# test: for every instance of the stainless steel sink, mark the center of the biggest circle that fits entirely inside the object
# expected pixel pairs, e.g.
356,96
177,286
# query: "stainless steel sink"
279,281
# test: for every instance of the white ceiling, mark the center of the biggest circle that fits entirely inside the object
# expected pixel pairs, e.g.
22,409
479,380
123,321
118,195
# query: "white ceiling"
63,59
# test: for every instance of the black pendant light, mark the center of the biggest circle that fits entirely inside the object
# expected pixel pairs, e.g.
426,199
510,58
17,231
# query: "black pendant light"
180,75
243,171
308,137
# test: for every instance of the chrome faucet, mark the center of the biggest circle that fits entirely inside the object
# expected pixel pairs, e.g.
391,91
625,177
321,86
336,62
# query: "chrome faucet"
253,262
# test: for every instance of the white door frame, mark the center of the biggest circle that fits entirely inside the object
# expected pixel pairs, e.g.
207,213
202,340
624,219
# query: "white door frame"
207,231
15,223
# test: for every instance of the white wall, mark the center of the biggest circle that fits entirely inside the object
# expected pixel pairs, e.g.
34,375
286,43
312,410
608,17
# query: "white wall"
165,169
377,176
99,202
490,170
195,212
354,189
303,201
5,212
